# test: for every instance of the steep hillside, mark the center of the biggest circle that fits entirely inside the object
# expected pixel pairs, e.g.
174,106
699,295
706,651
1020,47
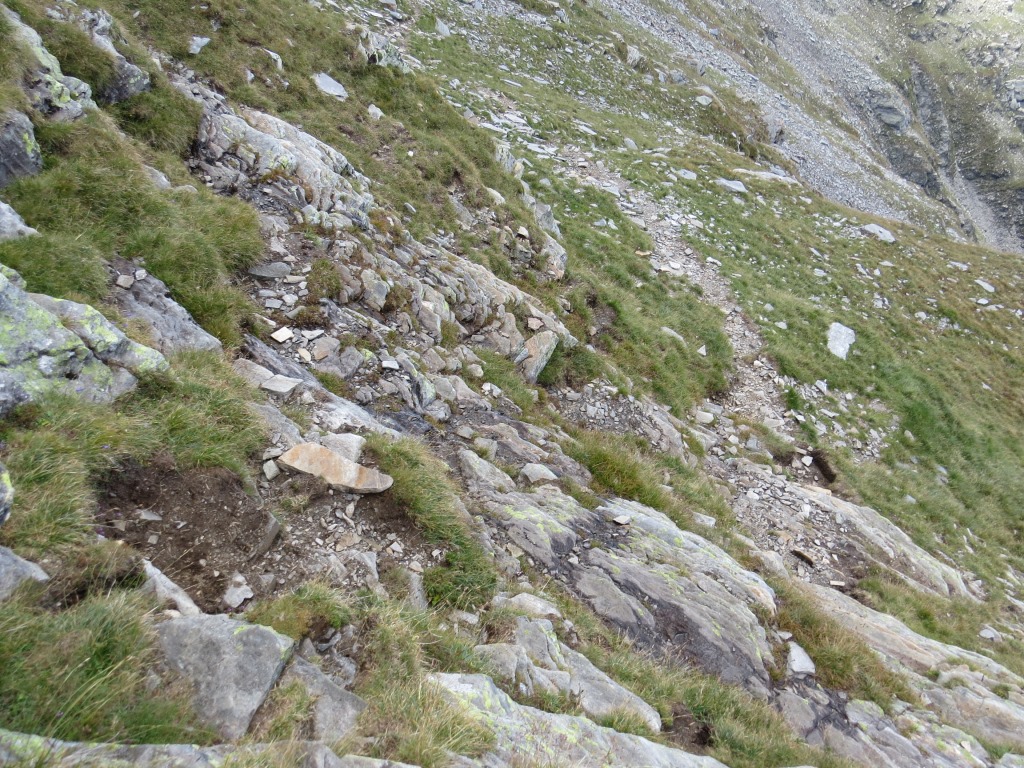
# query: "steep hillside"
511,384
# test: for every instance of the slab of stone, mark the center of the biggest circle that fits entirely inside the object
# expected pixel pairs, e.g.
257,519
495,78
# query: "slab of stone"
334,469
330,86
881,233
535,474
19,151
230,664
481,476
335,710
536,353
12,226
530,605
6,494
167,591
528,735
840,339
15,570
280,385
171,328
274,270
799,663
732,185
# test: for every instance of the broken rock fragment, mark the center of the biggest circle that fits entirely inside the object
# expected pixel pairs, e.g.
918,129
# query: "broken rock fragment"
337,471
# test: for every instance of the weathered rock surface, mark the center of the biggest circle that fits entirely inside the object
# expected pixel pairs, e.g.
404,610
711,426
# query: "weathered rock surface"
527,734
334,469
90,357
840,339
231,665
25,749
335,710
12,226
171,327
129,80
54,94
14,570
969,701
19,150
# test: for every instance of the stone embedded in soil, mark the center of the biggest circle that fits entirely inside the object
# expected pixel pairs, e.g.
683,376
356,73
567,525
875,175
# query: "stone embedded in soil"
799,663
231,665
334,469
335,710
14,570
840,339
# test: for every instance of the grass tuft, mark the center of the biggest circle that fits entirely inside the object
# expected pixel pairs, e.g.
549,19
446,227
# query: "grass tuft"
422,487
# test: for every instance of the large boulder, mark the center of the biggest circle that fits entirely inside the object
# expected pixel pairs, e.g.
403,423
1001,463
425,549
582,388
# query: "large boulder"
39,355
231,665
19,150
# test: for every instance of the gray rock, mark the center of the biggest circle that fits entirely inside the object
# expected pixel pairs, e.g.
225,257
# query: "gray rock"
732,185
170,326
529,604
273,270
481,476
348,445
167,591
335,710
535,474
102,337
840,339
878,232
129,79
25,749
330,86
535,354
55,95
40,355
15,570
197,43
799,663
231,666
524,735
19,151
12,226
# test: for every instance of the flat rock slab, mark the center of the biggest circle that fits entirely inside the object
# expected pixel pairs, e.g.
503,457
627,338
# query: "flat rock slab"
14,570
337,471
840,339
524,735
335,711
231,665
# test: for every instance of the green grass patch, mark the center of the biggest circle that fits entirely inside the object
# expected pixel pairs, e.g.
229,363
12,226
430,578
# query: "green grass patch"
94,200
843,660
58,449
423,489
314,606
80,675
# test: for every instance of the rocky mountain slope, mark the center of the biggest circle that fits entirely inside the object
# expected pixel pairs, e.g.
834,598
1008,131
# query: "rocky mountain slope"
511,384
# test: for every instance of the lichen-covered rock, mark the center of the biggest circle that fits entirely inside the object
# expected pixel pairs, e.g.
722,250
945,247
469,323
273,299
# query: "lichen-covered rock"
6,494
102,337
966,693
56,95
39,355
524,735
536,353
27,749
19,150
12,226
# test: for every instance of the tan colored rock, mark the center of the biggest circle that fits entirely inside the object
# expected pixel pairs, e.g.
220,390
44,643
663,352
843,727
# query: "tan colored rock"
337,471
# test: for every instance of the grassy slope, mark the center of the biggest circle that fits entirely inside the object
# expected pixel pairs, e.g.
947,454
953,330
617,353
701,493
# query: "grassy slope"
604,272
